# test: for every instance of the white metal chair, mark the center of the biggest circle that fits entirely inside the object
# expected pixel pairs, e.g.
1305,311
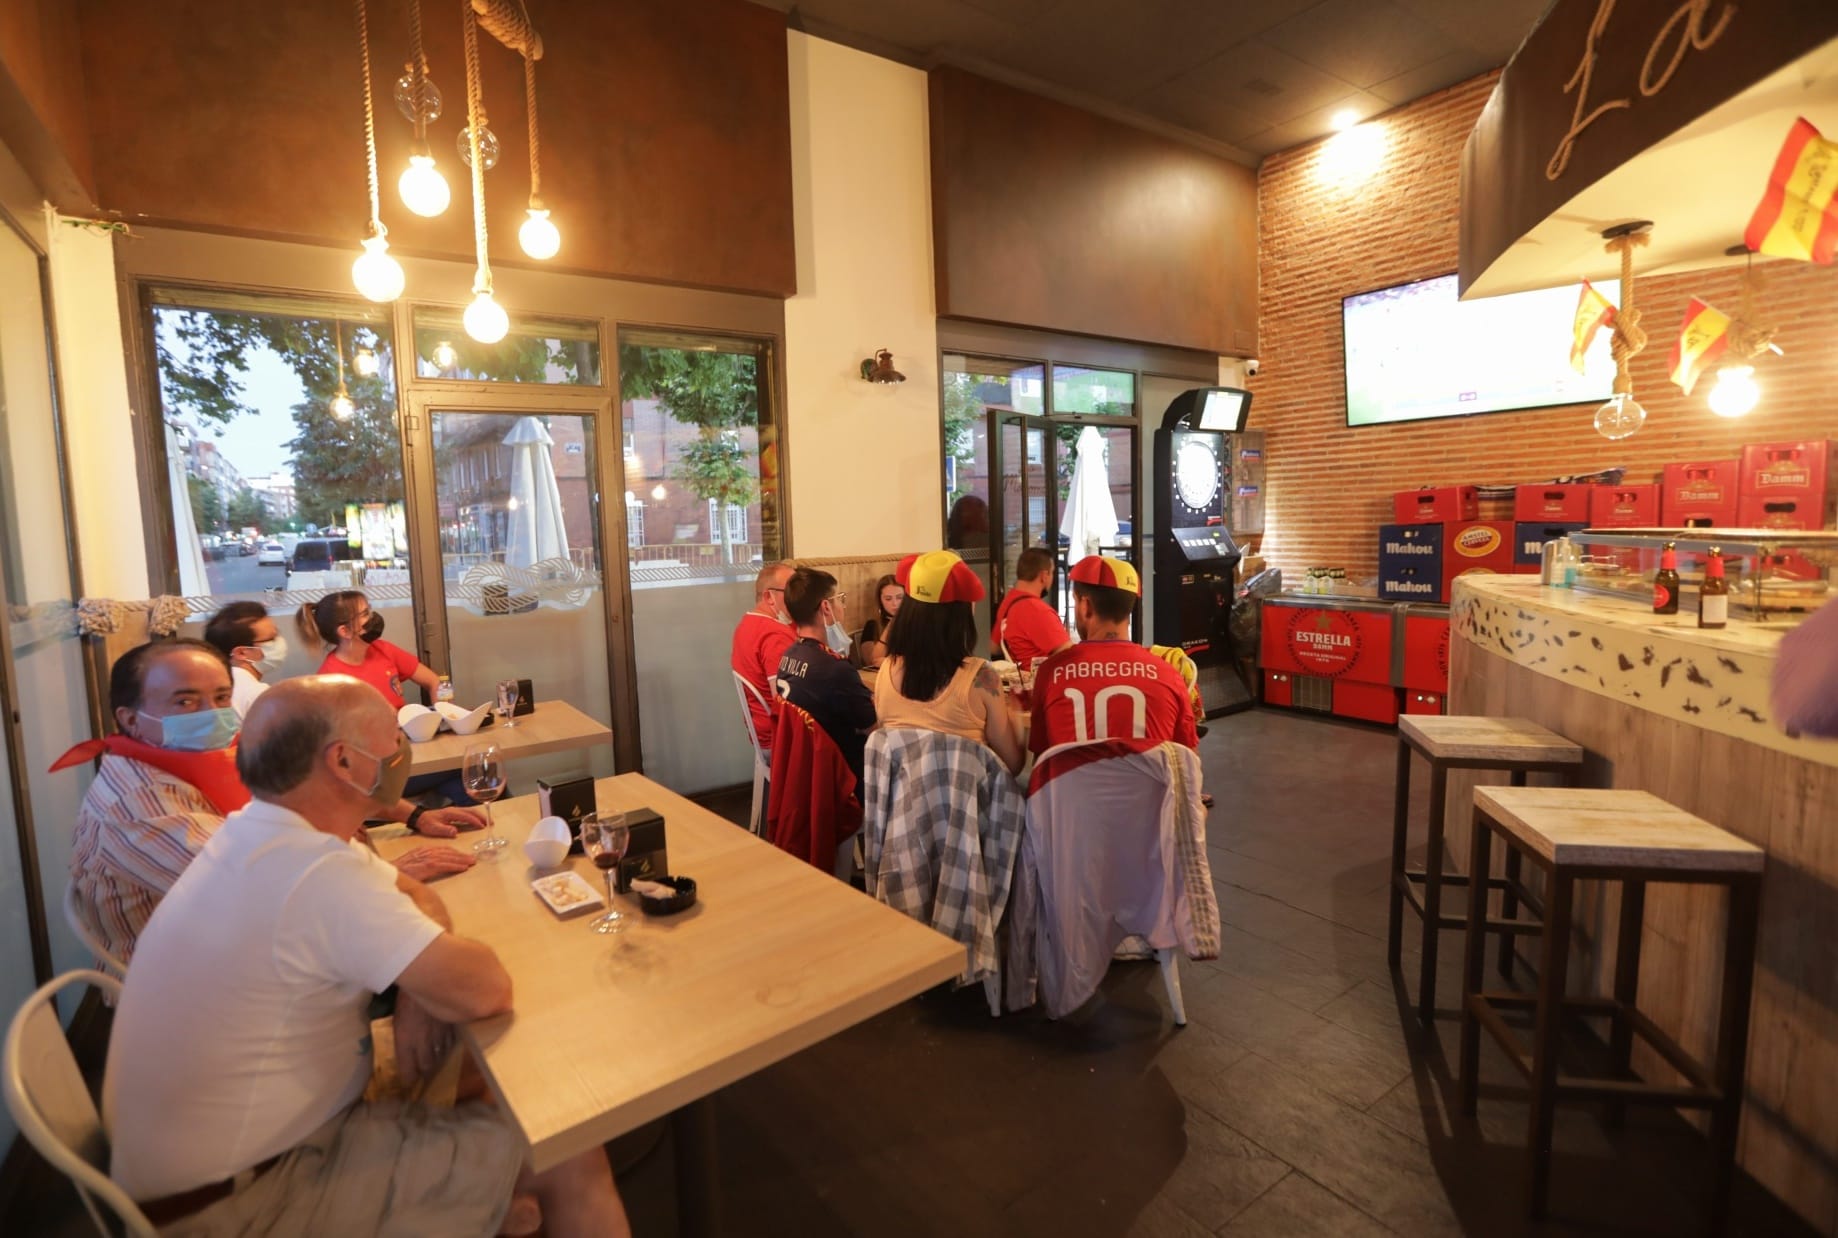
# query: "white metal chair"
48,1099
73,915
762,760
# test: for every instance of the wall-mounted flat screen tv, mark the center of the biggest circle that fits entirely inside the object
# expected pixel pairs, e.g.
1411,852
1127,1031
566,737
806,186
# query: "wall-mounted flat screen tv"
1414,352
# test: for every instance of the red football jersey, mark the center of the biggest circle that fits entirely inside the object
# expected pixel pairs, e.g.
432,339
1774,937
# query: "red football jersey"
1110,690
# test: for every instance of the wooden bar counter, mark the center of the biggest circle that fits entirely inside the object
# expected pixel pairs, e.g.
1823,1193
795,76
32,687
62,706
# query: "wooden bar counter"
1662,706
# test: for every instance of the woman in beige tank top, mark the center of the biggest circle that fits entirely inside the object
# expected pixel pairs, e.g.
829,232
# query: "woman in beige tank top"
931,678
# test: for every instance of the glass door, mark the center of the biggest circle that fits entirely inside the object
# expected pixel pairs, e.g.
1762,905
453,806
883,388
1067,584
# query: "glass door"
1026,506
513,572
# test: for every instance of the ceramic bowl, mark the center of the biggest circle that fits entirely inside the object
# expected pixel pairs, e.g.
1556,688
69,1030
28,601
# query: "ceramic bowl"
548,842
418,722
463,721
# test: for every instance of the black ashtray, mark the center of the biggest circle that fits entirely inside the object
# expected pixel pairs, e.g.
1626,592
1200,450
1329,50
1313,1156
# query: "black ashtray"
684,898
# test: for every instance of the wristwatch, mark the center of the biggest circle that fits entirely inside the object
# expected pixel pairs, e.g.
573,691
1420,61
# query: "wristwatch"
415,815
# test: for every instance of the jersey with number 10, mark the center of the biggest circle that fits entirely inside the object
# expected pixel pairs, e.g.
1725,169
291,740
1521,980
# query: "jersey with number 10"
1110,690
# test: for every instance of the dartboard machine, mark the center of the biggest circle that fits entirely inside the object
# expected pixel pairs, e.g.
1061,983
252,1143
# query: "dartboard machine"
1196,559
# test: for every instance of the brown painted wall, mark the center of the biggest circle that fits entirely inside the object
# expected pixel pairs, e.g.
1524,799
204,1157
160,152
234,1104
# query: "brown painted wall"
42,116
1047,216
666,132
1330,487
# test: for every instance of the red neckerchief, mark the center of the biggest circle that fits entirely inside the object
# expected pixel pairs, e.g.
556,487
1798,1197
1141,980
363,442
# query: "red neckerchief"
213,773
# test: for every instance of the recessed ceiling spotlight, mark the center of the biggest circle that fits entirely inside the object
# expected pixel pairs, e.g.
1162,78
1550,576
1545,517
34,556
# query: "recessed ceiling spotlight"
1344,119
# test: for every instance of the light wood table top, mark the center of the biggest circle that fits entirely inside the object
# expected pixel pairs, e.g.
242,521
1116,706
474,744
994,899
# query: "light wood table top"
1467,738
553,726
609,1033
1607,828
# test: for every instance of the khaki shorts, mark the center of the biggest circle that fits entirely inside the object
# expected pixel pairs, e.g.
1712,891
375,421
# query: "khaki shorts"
395,1169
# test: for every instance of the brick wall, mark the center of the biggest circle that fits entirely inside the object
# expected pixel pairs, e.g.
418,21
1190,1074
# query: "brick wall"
1330,487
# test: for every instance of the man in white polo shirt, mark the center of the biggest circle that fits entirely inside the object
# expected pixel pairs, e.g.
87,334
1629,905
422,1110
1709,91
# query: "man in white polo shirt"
241,1046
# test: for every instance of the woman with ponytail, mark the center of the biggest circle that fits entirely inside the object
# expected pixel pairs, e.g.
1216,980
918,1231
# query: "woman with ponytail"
344,621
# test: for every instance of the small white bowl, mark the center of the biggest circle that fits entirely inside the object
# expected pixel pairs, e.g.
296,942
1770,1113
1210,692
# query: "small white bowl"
460,720
548,843
418,722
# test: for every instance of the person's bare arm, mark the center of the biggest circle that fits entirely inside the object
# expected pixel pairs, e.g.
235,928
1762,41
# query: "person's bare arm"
457,979
998,731
425,677
424,898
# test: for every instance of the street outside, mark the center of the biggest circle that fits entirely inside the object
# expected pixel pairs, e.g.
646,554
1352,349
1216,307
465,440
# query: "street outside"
238,576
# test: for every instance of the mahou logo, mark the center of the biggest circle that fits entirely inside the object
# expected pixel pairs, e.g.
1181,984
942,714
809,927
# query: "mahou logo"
1478,542
1325,642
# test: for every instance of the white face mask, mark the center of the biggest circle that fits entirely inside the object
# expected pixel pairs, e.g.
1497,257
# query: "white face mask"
274,652
837,638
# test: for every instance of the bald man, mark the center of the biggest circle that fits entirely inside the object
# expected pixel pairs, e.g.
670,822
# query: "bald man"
761,639
167,780
243,1021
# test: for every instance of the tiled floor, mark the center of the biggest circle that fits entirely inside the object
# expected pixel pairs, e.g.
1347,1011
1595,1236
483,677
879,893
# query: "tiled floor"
1293,1103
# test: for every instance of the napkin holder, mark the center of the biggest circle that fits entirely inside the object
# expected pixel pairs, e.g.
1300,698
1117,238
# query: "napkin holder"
644,854
570,801
526,703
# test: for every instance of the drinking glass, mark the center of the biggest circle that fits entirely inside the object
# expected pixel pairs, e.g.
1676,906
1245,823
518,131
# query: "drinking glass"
604,837
507,701
484,776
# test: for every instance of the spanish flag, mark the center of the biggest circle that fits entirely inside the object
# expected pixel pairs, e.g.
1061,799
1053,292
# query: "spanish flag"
1593,312
1798,215
1701,341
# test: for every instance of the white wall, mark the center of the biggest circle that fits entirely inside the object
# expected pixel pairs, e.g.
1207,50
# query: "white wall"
99,424
865,460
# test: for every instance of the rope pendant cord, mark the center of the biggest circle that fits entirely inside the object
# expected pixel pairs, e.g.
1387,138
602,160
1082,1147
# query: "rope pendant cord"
475,121
1628,338
529,108
370,122
1749,334
418,70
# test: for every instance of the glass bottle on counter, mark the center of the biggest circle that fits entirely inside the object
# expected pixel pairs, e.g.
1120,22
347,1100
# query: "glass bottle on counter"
1568,562
1714,594
1665,584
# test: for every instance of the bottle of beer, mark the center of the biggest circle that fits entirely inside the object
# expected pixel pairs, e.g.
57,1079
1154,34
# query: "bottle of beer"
1665,585
1714,594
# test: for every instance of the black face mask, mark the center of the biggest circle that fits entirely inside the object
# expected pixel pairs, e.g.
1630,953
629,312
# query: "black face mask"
373,628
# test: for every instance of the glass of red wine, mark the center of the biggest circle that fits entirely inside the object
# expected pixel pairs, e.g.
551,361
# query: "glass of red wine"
604,837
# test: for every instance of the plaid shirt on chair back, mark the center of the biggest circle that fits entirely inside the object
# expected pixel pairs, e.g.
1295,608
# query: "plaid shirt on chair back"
941,826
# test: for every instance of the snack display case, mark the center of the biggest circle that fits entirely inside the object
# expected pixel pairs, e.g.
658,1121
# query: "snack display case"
1622,563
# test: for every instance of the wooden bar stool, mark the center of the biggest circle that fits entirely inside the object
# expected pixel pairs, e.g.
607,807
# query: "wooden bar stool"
1515,745
1631,837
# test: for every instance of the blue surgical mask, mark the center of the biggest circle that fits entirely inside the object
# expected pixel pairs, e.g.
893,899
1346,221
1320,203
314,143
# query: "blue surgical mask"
206,730
836,638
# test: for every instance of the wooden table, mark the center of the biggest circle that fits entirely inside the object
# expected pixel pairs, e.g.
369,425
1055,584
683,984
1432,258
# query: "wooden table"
612,1032
553,726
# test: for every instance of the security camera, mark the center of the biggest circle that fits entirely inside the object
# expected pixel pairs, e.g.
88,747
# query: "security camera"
1251,365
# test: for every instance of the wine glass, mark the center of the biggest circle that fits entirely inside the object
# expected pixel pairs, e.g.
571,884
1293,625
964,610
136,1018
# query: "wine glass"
507,701
605,836
484,776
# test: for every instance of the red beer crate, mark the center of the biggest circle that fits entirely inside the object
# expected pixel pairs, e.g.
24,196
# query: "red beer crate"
1624,507
1701,495
1789,485
1435,504
1477,546
1566,504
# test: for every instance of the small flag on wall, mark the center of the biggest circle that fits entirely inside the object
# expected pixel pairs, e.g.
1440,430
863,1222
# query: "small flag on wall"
1798,215
1701,341
1593,312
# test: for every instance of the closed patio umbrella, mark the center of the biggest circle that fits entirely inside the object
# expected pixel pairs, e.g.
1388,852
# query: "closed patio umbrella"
536,529
192,580
1090,518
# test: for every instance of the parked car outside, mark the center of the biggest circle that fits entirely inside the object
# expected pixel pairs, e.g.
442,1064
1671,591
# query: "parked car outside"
272,554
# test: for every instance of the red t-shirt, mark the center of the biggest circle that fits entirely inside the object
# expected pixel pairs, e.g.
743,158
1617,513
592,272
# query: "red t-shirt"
1110,690
385,667
1028,627
759,643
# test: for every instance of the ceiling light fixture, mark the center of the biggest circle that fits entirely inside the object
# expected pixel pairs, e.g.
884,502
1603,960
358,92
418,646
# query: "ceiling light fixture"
1622,415
1344,119
879,369
342,408
1749,335
485,320
377,275
445,356
538,236
424,190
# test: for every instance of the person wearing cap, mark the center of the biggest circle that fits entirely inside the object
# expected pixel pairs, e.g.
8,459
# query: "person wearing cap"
1026,627
1107,687
931,678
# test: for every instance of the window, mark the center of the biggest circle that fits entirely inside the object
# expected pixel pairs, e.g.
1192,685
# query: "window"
556,351
737,523
250,389
634,520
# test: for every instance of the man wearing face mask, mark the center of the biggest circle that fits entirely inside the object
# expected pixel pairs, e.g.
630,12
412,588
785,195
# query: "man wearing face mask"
248,637
815,674
168,779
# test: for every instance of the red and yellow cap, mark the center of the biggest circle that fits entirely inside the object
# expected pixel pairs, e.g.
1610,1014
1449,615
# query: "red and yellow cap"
938,576
1107,573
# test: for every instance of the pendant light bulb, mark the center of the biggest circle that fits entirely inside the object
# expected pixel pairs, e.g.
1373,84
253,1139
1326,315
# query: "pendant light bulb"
342,407
1620,417
376,274
486,320
539,236
365,362
424,190
445,356
1735,394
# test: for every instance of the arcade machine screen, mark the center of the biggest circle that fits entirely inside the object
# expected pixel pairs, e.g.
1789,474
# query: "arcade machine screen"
1224,410
1199,479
